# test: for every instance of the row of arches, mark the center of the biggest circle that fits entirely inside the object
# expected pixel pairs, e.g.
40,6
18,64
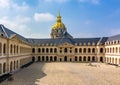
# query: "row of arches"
14,65
3,68
112,50
113,60
45,50
65,58
2,49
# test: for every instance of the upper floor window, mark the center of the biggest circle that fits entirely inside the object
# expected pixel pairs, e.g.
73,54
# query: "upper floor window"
101,50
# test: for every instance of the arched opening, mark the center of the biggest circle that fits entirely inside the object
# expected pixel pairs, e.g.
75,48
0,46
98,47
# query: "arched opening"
80,50
89,50
39,50
51,50
84,58
101,59
84,50
70,59
75,58
4,49
47,50
4,67
55,58
76,50
39,58
43,50
93,50
33,59
101,50
65,58
47,58
115,60
0,68
88,58
0,49
17,64
11,65
60,59
65,50
33,50
93,59
55,50
43,58
51,59
14,65
80,58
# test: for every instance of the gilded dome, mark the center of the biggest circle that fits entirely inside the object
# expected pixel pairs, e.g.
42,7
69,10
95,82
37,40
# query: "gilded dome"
59,23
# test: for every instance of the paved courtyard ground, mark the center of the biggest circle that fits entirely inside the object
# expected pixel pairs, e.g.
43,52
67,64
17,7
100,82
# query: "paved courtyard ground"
66,74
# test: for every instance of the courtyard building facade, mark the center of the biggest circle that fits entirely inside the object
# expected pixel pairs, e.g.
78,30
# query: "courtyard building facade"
17,51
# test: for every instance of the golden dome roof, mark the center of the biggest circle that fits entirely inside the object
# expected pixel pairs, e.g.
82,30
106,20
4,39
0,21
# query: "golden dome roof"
59,23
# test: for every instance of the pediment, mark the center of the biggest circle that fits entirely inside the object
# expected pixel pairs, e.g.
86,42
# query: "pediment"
66,44
14,38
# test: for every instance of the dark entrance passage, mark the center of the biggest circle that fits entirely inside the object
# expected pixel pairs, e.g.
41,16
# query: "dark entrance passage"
60,59
101,59
33,59
39,58
65,58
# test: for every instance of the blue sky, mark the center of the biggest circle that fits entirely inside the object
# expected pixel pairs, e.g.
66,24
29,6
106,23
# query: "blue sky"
82,18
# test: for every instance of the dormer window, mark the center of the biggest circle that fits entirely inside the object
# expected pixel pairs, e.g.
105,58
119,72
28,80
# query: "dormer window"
80,43
88,43
84,43
75,43
93,43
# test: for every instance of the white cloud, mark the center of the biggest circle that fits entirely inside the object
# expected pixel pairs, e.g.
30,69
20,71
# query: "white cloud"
90,1
43,17
59,1
18,24
4,3
11,4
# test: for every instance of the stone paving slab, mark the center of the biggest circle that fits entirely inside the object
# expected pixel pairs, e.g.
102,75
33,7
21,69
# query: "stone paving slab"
66,74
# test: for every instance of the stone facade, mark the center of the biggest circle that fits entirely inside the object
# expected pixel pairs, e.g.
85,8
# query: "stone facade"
17,51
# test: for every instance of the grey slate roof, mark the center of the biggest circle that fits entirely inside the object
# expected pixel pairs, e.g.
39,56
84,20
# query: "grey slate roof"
116,37
9,33
66,38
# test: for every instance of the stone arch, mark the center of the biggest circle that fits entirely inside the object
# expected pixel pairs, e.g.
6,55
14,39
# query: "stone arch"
47,59
4,48
0,68
43,50
17,64
55,58
115,60
80,58
33,59
65,58
43,58
76,59
65,50
55,50
4,67
47,50
93,50
51,50
39,50
84,50
93,59
101,59
76,50
51,58
33,50
80,50
11,66
89,50
101,50
14,65
0,49
84,58
39,59
88,58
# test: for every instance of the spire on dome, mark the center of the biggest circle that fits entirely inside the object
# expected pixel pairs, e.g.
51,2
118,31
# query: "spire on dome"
59,17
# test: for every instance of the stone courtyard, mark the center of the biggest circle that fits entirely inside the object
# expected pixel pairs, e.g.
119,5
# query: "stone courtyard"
66,73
